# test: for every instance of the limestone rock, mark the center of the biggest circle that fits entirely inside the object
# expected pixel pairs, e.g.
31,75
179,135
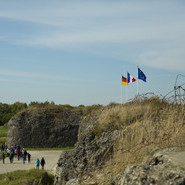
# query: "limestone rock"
158,170
45,127
114,137
90,152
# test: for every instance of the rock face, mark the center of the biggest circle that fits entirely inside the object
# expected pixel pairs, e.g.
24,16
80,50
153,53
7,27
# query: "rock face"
159,170
102,153
80,163
90,152
44,127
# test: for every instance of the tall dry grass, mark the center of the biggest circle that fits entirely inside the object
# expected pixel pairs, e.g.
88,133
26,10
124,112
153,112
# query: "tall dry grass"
142,128
120,116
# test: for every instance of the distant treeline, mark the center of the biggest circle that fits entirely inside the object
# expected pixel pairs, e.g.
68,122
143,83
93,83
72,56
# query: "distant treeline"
7,111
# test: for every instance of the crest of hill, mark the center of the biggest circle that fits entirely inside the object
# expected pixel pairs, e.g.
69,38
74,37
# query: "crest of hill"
47,125
116,136
44,126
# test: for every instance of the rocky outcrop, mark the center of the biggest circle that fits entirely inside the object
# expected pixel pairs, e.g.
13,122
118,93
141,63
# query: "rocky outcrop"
90,152
108,143
87,156
158,170
44,127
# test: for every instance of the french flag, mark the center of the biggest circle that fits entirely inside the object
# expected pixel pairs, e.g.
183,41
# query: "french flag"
130,79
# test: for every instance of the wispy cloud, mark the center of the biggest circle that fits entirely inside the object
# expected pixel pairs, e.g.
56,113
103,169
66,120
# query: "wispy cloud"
21,74
64,12
27,77
149,29
11,76
164,59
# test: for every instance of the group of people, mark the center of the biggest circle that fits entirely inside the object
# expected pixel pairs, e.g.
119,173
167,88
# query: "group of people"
41,162
16,150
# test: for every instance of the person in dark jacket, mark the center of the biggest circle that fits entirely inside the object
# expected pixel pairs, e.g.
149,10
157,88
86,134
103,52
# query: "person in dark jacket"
3,156
18,153
42,162
24,158
11,156
29,157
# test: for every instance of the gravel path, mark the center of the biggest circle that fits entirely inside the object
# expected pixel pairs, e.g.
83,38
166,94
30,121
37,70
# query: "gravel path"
51,158
176,157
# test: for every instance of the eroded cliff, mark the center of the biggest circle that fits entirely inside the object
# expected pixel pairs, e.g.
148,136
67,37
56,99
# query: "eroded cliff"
114,137
44,127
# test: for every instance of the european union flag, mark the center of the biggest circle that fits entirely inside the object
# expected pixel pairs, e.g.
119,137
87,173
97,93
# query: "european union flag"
141,75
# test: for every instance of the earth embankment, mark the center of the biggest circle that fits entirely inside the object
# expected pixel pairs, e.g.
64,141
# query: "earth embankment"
117,136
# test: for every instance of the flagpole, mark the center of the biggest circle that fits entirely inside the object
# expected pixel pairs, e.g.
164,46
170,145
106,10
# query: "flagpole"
126,93
121,94
137,82
126,87
121,91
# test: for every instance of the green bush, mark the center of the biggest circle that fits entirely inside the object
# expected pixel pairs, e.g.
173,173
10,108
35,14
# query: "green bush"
7,111
3,134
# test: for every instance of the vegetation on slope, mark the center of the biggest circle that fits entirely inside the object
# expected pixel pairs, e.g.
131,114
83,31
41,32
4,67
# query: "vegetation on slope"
3,134
139,129
7,111
118,117
27,177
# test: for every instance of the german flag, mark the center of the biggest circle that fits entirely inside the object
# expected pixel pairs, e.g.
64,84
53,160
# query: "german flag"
124,81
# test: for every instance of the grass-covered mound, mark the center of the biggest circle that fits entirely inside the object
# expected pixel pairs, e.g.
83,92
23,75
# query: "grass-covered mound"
27,177
154,111
115,136
142,127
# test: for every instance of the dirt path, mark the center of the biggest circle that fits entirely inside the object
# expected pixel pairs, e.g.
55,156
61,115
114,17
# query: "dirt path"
51,158
176,157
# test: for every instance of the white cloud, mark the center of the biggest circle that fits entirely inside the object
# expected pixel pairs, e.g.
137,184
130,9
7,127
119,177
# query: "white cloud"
164,59
149,27
114,33
21,74
90,22
58,12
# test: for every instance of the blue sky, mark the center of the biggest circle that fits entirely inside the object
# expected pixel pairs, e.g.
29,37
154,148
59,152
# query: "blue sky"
74,52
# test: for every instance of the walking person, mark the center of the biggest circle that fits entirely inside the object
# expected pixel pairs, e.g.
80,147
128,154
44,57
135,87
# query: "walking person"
29,157
24,158
42,162
3,156
18,153
24,155
12,153
37,163
11,157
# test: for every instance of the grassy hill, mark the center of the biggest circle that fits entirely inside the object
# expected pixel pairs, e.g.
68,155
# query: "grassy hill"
115,136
